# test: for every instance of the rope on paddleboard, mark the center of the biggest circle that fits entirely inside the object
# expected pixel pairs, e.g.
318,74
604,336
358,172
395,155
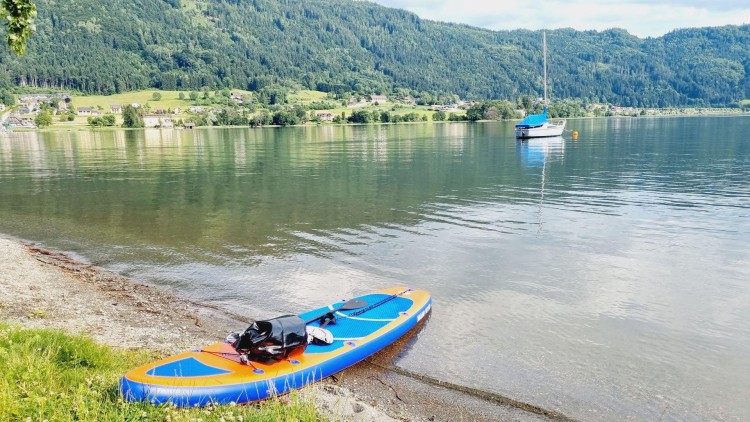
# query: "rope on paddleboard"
331,317
373,306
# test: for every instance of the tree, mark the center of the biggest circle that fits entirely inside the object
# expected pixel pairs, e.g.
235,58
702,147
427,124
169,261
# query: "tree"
106,120
43,119
18,16
439,116
182,95
285,118
7,98
526,102
360,116
193,95
474,113
156,96
130,117
261,119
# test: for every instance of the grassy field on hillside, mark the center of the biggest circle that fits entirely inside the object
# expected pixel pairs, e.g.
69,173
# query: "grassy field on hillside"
169,99
305,96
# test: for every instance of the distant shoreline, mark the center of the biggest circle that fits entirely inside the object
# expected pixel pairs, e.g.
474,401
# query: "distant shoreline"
704,112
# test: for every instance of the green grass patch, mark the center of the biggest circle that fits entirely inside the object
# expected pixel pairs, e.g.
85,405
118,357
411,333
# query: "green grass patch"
48,375
307,96
169,99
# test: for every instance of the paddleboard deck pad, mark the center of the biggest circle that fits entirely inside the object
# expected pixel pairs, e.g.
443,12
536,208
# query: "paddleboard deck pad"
216,373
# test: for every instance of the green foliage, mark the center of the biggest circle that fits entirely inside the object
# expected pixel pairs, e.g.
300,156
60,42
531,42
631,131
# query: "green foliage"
567,108
107,120
18,16
43,119
375,116
359,48
46,375
156,96
491,110
7,98
285,118
361,116
131,118
262,118
321,105
439,116
225,117
272,95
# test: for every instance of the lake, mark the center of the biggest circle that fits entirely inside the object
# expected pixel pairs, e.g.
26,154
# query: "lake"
607,278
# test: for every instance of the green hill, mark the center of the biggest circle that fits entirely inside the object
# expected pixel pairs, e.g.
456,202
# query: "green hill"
352,46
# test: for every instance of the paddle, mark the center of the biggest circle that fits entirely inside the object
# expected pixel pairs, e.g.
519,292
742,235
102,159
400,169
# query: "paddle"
329,317
347,306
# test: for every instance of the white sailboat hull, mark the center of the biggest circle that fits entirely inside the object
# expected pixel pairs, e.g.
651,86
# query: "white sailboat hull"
545,130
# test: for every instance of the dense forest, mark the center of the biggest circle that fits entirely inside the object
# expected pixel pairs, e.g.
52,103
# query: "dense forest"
347,46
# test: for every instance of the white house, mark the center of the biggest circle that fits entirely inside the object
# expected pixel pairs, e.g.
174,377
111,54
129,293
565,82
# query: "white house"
378,99
157,120
326,117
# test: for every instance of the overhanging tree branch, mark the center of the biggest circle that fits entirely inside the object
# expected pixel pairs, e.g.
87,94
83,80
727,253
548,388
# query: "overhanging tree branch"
18,16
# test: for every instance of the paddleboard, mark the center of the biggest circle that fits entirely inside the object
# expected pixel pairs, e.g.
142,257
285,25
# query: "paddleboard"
216,373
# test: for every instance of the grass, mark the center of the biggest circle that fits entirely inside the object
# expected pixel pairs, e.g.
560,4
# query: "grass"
48,375
169,99
306,96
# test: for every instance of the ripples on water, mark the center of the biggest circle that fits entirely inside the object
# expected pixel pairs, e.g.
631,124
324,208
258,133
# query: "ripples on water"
605,278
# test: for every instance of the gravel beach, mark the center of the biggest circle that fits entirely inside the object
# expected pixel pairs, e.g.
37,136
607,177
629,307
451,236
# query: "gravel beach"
45,289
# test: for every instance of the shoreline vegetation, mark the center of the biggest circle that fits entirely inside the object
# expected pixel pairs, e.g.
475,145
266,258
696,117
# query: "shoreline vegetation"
49,375
69,330
280,107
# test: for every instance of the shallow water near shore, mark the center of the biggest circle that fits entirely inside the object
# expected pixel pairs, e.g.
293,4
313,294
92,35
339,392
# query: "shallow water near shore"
605,278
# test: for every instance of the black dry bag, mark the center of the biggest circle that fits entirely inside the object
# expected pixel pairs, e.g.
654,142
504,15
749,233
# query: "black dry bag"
273,340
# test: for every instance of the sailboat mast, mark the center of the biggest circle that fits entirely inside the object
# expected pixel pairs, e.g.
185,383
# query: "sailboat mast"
544,49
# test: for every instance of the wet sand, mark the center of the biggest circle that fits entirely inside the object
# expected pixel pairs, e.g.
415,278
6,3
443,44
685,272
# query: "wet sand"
45,289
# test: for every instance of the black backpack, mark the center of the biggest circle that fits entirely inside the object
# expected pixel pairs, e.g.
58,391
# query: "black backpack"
273,340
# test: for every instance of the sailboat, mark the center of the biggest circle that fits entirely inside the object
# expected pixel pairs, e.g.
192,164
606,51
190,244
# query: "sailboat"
537,125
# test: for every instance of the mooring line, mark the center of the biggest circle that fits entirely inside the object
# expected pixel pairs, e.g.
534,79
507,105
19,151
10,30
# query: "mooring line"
486,395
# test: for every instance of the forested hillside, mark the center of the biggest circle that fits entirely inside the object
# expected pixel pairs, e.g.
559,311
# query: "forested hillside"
346,46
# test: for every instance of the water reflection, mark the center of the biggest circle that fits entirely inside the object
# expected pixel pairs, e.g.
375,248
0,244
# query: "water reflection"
536,152
539,153
605,278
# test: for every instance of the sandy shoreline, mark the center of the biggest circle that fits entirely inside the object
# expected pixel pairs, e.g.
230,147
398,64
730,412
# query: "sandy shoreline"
45,289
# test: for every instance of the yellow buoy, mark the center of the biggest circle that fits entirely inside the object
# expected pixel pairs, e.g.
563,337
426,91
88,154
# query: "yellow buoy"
575,134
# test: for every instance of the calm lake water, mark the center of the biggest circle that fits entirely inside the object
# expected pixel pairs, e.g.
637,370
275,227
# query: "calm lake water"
607,278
